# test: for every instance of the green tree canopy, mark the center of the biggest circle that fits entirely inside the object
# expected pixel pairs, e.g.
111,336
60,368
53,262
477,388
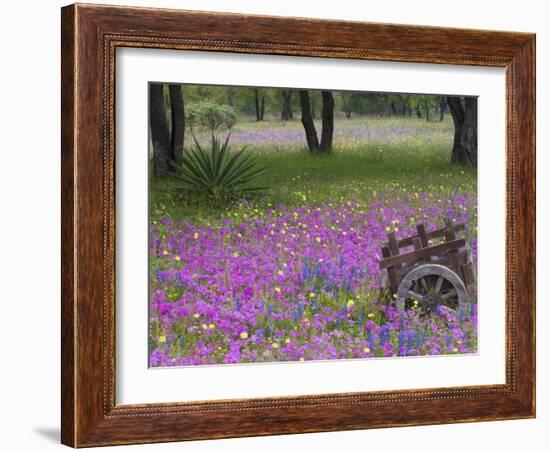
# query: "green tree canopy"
210,116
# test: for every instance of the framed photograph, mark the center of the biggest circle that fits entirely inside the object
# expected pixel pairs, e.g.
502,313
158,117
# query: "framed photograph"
281,225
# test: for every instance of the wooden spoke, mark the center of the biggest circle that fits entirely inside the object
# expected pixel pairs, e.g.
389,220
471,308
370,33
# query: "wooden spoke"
414,296
438,284
449,294
424,284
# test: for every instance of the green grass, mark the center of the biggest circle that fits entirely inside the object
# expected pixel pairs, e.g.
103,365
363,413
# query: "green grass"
352,171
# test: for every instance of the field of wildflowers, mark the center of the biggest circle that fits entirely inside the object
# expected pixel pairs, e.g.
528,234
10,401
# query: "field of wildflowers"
293,275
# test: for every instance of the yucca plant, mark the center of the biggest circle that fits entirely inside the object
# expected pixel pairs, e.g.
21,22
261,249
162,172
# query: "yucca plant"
217,172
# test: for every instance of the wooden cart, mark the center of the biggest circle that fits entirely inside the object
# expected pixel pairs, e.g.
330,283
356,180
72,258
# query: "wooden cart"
435,270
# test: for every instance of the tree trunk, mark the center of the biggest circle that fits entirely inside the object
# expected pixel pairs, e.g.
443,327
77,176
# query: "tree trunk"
257,103
418,112
427,108
465,138
346,105
178,123
286,113
393,109
328,121
307,121
380,108
158,123
442,105
262,107
229,91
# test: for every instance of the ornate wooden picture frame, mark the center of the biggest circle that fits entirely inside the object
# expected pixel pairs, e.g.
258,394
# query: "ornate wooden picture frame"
90,37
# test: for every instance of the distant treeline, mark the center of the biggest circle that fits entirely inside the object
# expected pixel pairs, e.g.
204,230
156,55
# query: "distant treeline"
173,108
284,104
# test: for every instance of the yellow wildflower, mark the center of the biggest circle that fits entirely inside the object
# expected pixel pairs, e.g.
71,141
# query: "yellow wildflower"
162,339
244,335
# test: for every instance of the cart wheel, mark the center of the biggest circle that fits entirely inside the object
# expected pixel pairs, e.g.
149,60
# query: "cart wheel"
431,285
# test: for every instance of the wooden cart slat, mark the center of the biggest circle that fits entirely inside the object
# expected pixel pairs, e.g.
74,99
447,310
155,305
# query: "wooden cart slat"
408,241
422,253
